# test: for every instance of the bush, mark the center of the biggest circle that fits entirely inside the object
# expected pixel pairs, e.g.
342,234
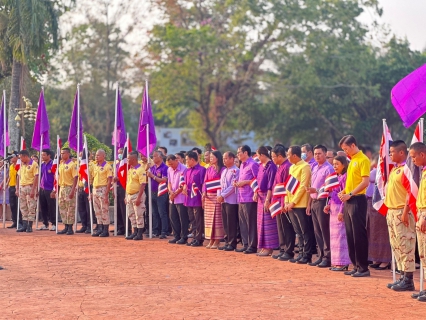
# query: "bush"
93,145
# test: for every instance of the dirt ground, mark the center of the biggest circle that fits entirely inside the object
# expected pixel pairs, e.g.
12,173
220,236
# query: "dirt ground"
50,276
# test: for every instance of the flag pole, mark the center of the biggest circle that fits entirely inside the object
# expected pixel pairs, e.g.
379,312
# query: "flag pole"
115,161
421,264
19,201
58,151
78,151
88,182
4,157
147,156
39,169
125,195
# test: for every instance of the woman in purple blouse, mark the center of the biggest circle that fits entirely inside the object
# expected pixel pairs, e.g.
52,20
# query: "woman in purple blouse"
267,232
338,244
214,230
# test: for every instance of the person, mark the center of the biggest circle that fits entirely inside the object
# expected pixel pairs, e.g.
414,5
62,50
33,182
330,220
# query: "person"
47,194
227,197
178,212
296,203
338,243
379,248
207,159
355,206
237,162
102,179
121,198
27,186
83,204
247,207
213,228
267,233
67,183
308,154
418,155
180,157
135,196
3,183
321,221
285,229
158,174
163,150
194,179
198,151
13,198
400,220
35,158
146,164
331,154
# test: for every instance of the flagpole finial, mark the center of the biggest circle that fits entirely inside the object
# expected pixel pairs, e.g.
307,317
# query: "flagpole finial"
78,85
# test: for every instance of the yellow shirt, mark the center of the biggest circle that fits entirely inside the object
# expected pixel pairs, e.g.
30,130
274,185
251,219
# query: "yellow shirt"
206,165
67,173
395,192
12,175
421,196
80,183
27,173
101,173
135,177
302,172
203,164
144,165
359,167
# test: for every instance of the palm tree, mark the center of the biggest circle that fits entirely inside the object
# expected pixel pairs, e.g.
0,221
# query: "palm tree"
28,35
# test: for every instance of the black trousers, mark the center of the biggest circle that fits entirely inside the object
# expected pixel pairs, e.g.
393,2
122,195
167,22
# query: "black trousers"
84,209
247,215
121,210
47,207
302,227
13,201
198,214
355,216
230,223
321,222
179,220
286,234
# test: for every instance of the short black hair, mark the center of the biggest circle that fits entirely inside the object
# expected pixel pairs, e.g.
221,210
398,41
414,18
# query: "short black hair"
192,155
307,146
320,146
348,140
418,147
399,145
47,151
134,153
280,150
67,149
230,154
24,153
165,149
296,150
245,148
198,150
181,154
264,150
171,157
368,148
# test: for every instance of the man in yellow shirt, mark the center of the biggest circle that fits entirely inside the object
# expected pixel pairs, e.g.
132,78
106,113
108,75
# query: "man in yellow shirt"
135,196
355,207
13,199
27,185
68,176
400,220
296,203
102,178
418,155
83,201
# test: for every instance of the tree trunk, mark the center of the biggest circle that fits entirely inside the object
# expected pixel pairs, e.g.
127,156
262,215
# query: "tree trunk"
13,104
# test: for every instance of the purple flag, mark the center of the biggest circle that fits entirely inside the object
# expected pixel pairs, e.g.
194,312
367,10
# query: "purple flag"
119,134
409,98
4,130
41,126
72,136
145,119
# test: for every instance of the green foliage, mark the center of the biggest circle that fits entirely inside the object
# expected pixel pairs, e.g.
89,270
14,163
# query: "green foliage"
93,145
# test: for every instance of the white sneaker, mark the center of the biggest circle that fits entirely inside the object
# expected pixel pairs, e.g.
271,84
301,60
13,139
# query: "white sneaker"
43,227
53,228
190,235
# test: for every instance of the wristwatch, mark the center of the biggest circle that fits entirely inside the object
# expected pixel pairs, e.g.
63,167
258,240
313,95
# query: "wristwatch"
350,193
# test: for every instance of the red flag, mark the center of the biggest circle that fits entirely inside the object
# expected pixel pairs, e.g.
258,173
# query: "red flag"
23,147
122,167
84,168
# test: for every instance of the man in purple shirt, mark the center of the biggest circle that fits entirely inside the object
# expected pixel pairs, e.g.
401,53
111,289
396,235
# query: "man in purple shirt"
178,212
247,208
47,200
194,179
158,174
316,206
227,196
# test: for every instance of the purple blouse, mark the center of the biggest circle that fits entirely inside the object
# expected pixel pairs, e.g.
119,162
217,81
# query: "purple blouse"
334,198
266,176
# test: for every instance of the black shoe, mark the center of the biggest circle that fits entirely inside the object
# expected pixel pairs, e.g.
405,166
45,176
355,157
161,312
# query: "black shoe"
174,240
304,260
182,241
416,295
241,249
229,248
349,273
342,268
163,236
132,235
29,226
277,256
374,265
120,232
197,243
388,266
70,230
139,235
97,227
64,231
223,248
317,262
105,232
88,231
190,243
81,230
285,257
404,285
99,231
361,274
422,298
294,260
23,228
324,264
12,226
390,285
250,251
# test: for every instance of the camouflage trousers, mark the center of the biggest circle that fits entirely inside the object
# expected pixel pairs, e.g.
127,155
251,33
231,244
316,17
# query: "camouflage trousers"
421,238
135,212
66,205
100,205
402,239
27,205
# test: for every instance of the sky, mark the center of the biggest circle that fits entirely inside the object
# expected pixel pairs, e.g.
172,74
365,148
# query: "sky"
405,19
